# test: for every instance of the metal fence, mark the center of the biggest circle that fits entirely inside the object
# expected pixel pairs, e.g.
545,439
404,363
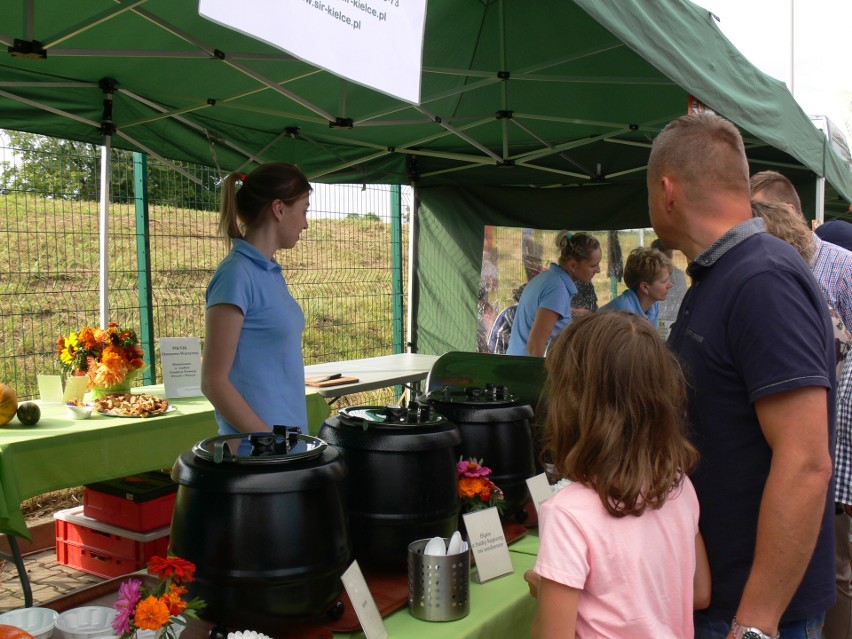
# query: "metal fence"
342,272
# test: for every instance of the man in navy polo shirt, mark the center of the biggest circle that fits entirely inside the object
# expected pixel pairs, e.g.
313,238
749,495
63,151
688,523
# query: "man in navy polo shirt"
754,336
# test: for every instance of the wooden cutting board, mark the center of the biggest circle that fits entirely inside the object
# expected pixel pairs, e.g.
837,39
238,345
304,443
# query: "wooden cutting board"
322,381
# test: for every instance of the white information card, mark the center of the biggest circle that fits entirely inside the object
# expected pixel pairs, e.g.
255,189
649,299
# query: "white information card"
181,360
540,490
488,543
75,388
362,600
50,388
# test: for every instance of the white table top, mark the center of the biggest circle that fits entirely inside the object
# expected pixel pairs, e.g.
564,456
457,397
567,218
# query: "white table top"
373,372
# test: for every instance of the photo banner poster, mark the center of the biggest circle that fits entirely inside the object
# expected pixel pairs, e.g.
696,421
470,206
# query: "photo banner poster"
377,43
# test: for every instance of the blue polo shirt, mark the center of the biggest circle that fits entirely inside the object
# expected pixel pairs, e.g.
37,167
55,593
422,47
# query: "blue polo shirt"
552,289
629,301
752,324
268,368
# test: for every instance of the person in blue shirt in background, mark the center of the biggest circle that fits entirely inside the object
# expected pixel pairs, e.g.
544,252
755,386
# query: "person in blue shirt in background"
647,274
545,305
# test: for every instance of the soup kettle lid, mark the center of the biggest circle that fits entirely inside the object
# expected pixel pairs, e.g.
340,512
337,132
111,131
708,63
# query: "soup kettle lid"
284,444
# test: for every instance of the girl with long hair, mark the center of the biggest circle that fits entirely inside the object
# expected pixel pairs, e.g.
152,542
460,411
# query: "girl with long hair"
620,551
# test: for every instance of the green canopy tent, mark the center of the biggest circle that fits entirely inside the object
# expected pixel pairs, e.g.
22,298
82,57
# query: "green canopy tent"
534,114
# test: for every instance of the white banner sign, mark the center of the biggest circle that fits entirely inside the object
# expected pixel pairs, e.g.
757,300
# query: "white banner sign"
377,43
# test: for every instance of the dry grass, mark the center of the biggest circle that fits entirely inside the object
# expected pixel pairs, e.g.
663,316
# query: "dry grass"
45,505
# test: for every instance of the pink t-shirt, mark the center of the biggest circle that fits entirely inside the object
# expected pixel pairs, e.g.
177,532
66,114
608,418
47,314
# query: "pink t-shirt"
635,574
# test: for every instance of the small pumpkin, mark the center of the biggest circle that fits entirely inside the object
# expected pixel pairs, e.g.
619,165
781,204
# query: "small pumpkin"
29,413
13,632
8,404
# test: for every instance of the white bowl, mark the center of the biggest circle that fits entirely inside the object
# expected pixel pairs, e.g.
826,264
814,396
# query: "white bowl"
85,622
79,412
36,621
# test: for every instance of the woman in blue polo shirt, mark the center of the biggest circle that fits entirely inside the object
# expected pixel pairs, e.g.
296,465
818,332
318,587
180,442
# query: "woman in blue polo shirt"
545,305
252,369
647,274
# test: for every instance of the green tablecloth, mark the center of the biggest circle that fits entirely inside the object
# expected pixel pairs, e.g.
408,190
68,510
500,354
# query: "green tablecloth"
499,609
527,545
61,453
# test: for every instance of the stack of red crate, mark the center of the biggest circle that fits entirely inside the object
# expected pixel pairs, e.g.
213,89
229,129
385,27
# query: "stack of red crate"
121,525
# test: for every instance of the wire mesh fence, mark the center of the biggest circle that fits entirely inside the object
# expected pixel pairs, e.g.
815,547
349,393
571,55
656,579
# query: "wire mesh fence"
341,272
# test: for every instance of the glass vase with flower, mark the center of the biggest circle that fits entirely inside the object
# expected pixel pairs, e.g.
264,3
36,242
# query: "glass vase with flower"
110,359
158,611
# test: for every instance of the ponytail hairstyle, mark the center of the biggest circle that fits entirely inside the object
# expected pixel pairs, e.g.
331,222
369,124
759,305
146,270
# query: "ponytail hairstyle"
243,207
576,246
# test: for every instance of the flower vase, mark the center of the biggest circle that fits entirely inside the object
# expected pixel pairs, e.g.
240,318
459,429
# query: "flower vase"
116,389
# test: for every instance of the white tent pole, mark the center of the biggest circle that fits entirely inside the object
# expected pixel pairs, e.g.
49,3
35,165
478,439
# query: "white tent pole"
792,60
820,200
103,240
107,128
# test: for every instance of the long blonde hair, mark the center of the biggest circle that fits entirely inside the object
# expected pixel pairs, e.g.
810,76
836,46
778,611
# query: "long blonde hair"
616,412
783,222
243,207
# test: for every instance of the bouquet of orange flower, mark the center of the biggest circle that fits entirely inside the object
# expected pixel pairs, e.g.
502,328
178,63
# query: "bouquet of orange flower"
161,608
107,356
475,490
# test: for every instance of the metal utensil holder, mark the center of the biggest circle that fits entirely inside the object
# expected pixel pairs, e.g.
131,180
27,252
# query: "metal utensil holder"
437,584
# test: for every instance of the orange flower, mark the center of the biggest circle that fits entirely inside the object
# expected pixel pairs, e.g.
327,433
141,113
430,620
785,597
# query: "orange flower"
173,599
151,614
179,569
86,337
473,487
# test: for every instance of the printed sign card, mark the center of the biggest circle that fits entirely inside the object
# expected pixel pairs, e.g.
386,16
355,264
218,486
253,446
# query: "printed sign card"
181,360
75,388
488,543
49,388
540,490
362,600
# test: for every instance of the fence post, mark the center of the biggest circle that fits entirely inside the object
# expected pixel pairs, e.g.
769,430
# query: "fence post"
143,264
396,271
396,265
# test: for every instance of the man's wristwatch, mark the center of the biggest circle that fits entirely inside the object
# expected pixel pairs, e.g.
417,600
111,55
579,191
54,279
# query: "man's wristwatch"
748,632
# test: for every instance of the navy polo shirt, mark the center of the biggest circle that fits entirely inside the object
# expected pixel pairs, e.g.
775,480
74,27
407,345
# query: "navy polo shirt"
753,324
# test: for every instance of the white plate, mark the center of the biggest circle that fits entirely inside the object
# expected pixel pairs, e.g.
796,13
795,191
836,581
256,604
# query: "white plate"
111,414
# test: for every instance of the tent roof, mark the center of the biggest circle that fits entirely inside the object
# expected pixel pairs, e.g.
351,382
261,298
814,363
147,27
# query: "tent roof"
549,94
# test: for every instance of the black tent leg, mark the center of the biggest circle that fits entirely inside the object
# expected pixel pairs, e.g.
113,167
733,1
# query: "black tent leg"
18,560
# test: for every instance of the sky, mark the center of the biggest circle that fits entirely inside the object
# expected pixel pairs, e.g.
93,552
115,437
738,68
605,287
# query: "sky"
821,74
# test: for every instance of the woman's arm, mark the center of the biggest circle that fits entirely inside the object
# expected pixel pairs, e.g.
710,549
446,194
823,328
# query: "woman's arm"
542,327
557,611
223,325
701,582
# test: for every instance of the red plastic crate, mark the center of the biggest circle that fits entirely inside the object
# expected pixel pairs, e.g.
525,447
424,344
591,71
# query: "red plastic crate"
73,527
103,550
124,513
94,562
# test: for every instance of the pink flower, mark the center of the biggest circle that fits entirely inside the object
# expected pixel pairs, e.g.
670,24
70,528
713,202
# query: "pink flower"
472,468
129,593
121,621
